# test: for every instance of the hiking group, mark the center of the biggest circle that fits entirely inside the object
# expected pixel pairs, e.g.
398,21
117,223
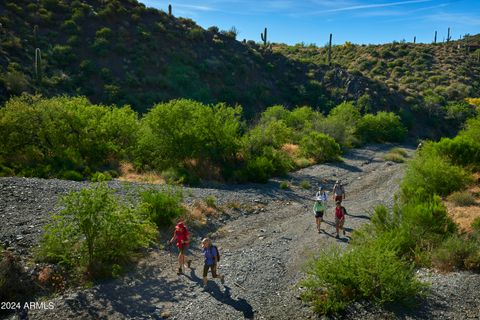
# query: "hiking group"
320,207
211,256
210,253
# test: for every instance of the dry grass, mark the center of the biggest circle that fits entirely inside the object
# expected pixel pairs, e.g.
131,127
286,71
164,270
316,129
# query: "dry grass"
128,173
293,150
464,215
198,213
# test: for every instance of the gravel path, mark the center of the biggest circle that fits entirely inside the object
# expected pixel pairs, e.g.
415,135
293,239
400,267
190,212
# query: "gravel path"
263,244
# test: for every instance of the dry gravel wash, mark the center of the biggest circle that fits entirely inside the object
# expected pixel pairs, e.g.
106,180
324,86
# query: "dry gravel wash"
262,249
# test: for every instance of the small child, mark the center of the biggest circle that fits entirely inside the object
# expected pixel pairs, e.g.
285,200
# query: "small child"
211,259
339,218
319,207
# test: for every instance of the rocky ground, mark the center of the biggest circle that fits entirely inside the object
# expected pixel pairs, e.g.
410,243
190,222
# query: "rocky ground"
265,237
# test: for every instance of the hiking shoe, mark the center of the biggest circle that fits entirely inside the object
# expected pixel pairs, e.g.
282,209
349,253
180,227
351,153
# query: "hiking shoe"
179,272
189,263
343,231
222,279
337,236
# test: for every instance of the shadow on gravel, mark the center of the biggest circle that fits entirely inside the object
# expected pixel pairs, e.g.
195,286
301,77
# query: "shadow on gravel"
224,296
358,216
422,309
132,298
343,165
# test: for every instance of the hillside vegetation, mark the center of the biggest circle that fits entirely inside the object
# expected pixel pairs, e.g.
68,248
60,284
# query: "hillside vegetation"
120,52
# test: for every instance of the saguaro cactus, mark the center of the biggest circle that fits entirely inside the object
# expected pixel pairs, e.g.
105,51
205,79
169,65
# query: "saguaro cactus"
435,38
35,35
170,10
330,50
264,37
448,35
38,63
415,39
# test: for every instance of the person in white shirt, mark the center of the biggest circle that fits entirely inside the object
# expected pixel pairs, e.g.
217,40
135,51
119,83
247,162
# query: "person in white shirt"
319,207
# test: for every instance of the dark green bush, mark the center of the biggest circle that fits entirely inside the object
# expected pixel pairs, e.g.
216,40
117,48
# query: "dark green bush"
341,124
273,134
433,174
320,147
461,150
472,129
476,224
382,127
259,169
175,133
51,137
457,253
162,207
70,175
371,272
100,177
283,185
93,231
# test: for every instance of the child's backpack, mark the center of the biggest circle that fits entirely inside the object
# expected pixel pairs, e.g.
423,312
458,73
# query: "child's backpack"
218,252
344,210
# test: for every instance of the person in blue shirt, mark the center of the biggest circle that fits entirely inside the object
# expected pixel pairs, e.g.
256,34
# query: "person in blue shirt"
211,260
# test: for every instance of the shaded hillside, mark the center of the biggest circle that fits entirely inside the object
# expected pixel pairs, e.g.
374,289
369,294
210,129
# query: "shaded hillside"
119,52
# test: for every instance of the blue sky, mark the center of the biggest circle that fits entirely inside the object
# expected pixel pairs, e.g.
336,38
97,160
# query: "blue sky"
311,21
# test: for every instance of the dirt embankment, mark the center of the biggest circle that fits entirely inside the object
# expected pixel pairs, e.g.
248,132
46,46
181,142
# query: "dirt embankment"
264,237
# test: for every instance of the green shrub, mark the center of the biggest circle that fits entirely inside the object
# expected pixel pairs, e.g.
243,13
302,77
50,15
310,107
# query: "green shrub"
472,129
462,198
476,224
396,155
372,272
93,230
6,171
320,147
341,124
419,224
162,207
456,253
100,177
302,162
461,150
305,184
283,185
382,127
259,169
174,133
271,134
211,201
49,137
71,175
433,174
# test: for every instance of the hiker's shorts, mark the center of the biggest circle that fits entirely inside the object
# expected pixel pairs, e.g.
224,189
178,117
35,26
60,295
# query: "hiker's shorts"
213,267
319,214
338,198
182,249
339,220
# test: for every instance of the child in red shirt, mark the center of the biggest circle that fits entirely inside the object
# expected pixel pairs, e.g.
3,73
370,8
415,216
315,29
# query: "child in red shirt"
339,218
